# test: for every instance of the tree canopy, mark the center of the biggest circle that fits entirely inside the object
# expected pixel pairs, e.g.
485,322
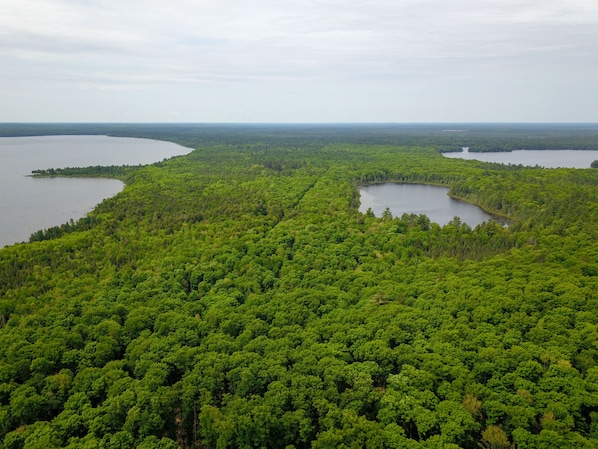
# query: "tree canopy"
235,297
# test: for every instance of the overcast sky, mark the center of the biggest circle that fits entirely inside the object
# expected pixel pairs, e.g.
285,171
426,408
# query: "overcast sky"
299,61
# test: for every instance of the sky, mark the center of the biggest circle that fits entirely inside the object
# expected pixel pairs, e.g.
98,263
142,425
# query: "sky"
308,61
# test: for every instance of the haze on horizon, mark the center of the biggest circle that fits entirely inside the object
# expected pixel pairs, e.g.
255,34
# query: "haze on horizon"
291,61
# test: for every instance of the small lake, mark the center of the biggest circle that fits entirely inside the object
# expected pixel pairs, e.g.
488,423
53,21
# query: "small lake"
432,201
30,204
531,158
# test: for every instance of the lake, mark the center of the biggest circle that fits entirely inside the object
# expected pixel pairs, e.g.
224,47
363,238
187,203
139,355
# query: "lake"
30,204
531,158
432,201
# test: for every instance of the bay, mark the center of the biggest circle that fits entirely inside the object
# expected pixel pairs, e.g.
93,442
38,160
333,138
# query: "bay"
432,201
531,158
29,204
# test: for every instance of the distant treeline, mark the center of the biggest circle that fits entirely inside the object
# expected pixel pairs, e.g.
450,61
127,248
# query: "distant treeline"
445,137
112,171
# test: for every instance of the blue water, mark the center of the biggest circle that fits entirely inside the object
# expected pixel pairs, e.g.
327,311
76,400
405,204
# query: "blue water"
531,158
419,199
29,204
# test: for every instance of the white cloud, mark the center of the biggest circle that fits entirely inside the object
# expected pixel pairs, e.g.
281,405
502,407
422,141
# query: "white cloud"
110,44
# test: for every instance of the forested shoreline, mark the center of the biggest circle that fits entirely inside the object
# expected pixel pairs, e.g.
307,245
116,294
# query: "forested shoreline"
235,297
446,137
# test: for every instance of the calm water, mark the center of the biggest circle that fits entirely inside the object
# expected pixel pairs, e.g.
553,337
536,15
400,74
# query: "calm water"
531,158
30,204
418,199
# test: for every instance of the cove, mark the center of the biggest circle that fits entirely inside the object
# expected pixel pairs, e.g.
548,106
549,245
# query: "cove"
29,204
432,201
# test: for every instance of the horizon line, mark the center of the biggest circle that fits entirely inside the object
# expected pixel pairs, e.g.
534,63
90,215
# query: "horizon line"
298,123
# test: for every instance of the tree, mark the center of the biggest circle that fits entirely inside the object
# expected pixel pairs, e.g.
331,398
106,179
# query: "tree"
284,317
495,438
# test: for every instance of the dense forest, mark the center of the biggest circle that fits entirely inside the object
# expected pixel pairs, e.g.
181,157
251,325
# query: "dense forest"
235,297
446,137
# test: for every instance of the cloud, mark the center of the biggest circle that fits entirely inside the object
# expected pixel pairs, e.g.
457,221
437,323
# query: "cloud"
294,32
112,44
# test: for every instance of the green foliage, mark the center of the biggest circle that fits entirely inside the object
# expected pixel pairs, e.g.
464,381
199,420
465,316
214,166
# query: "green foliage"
113,171
235,297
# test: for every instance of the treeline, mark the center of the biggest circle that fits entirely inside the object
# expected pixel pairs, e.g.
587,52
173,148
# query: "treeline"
235,297
54,232
111,171
444,137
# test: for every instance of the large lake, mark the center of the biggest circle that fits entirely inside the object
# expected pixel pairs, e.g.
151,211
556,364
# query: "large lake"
531,158
419,199
30,204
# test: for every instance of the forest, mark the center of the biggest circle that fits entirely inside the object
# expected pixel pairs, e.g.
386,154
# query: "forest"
235,297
